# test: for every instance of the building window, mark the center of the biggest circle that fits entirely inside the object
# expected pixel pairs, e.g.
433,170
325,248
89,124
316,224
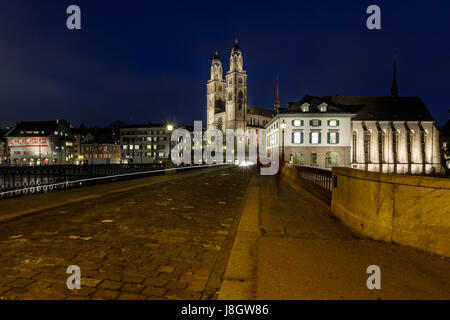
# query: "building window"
368,145
323,107
333,138
314,159
305,107
355,140
333,123
297,123
315,123
297,137
315,138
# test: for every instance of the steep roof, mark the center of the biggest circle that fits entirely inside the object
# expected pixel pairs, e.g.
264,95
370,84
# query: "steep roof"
260,111
36,128
386,108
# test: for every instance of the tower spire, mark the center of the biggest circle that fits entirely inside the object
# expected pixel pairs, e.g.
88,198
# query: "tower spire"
394,89
277,98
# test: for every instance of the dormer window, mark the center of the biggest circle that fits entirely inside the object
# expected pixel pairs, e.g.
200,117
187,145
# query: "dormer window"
305,107
323,107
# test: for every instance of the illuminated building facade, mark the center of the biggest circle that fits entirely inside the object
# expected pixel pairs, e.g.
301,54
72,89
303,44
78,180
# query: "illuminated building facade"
40,143
145,143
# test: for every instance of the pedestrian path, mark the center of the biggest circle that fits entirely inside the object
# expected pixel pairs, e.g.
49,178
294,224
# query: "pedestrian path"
288,246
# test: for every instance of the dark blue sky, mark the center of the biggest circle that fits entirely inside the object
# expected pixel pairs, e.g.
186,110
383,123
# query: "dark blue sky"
148,61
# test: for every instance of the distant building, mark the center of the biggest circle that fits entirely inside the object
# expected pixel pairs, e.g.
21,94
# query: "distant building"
145,143
388,134
316,134
101,146
40,143
226,99
445,143
3,149
78,135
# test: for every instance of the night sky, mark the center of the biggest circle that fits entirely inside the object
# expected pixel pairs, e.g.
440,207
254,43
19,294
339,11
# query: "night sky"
149,61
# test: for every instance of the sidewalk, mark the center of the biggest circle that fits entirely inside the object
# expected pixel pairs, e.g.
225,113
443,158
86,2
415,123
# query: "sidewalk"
12,209
289,247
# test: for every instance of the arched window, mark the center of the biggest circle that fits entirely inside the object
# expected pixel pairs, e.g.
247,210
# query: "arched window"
240,81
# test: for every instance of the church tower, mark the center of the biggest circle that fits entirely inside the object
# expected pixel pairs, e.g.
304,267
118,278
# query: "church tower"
236,93
215,92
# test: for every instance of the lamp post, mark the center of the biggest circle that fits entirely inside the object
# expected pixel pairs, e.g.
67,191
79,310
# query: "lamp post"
169,128
283,126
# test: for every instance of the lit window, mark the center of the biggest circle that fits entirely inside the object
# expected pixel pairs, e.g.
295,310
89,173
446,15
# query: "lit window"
333,137
315,137
305,107
323,107
315,123
136,147
297,137
125,147
297,123
314,158
333,123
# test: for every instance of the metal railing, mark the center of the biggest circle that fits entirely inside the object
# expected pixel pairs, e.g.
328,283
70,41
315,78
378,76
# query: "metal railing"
319,180
19,181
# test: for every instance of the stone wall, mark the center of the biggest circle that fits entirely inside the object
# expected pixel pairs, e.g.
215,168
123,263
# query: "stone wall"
408,210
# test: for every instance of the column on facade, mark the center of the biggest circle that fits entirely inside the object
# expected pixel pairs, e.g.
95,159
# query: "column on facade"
429,146
374,153
388,146
416,147
357,126
402,146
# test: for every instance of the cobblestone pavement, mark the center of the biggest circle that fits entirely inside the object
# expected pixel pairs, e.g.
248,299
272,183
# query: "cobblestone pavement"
166,241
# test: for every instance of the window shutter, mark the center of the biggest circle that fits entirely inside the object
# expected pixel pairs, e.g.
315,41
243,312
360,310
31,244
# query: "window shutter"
310,123
328,122
328,138
293,137
320,122
293,123
337,137
303,124
301,136
320,137
337,123
310,137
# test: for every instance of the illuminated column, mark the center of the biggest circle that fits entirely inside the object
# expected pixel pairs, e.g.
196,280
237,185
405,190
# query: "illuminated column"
429,146
402,147
374,153
416,147
360,158
388,147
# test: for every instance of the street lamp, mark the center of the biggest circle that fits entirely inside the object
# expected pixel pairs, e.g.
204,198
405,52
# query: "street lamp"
283,126
170,129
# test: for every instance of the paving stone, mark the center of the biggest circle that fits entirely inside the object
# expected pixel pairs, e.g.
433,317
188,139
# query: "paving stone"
105,294
156,282
112,285
153,291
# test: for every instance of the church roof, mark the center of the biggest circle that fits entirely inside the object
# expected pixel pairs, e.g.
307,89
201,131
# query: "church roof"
386,108
260,111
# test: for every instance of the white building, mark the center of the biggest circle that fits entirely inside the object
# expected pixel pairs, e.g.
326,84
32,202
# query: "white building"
316,134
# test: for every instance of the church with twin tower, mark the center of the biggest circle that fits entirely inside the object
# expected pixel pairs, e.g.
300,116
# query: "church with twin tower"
227,98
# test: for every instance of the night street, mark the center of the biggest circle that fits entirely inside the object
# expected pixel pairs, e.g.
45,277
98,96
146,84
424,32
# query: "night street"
166,241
